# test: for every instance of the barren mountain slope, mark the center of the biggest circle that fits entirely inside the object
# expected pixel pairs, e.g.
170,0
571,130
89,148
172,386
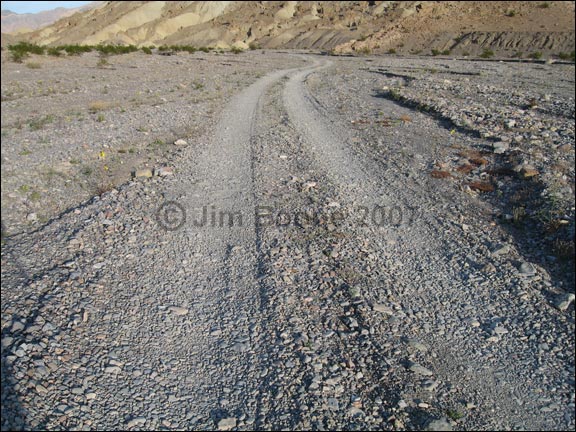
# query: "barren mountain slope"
505,27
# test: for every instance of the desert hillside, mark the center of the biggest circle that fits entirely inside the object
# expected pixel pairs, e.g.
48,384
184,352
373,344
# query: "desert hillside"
375,26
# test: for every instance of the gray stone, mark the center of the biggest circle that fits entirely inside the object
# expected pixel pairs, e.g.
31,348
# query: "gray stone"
227,423
439,425
178,310
563,301
143,173
418,369
136,421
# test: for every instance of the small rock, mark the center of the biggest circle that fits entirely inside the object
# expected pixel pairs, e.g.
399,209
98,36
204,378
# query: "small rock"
178,310
526,269
528,172
383,309
333,404
163,171
143,173
563,302
308,185
137,421
500,147
439,425
32,217
227,423
417,345
418,369
489,268
499,330
180,142
112,369
500,249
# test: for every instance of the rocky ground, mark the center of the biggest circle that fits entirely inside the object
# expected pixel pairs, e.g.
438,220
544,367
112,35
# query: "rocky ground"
363,263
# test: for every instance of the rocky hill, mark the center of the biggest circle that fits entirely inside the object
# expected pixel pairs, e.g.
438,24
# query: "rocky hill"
13,22
375,26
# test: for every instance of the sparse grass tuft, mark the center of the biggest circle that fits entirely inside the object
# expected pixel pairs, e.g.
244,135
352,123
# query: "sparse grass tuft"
364,51
487,53
102,62
39,123
454,414
34,65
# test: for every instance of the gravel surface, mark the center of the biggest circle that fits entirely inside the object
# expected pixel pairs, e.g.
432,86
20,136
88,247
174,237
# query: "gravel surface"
311,256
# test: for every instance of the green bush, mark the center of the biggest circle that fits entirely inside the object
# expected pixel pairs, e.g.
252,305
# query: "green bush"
435,52
236,50
116,49
391,51
189,49
76,50
19,56
146,50
487,53
26,47
54,51
536,55
566,56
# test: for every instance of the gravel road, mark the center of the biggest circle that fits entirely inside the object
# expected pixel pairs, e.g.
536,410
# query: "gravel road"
301,268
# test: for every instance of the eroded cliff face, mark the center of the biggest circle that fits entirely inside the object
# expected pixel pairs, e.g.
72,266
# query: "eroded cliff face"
403,27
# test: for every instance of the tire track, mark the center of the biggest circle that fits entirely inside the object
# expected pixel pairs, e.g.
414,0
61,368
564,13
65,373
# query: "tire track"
422,248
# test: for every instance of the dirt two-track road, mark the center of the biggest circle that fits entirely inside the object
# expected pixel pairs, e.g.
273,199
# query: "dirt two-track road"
300,270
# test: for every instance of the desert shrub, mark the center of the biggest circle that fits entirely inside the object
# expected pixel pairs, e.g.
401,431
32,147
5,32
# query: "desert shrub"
19,56
435,52
254,46
365,51
391,51
189,49
487,53
98,105
116,49
76,50
566,56
536,55
102,62
236,50
54,51
146,50
26,47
